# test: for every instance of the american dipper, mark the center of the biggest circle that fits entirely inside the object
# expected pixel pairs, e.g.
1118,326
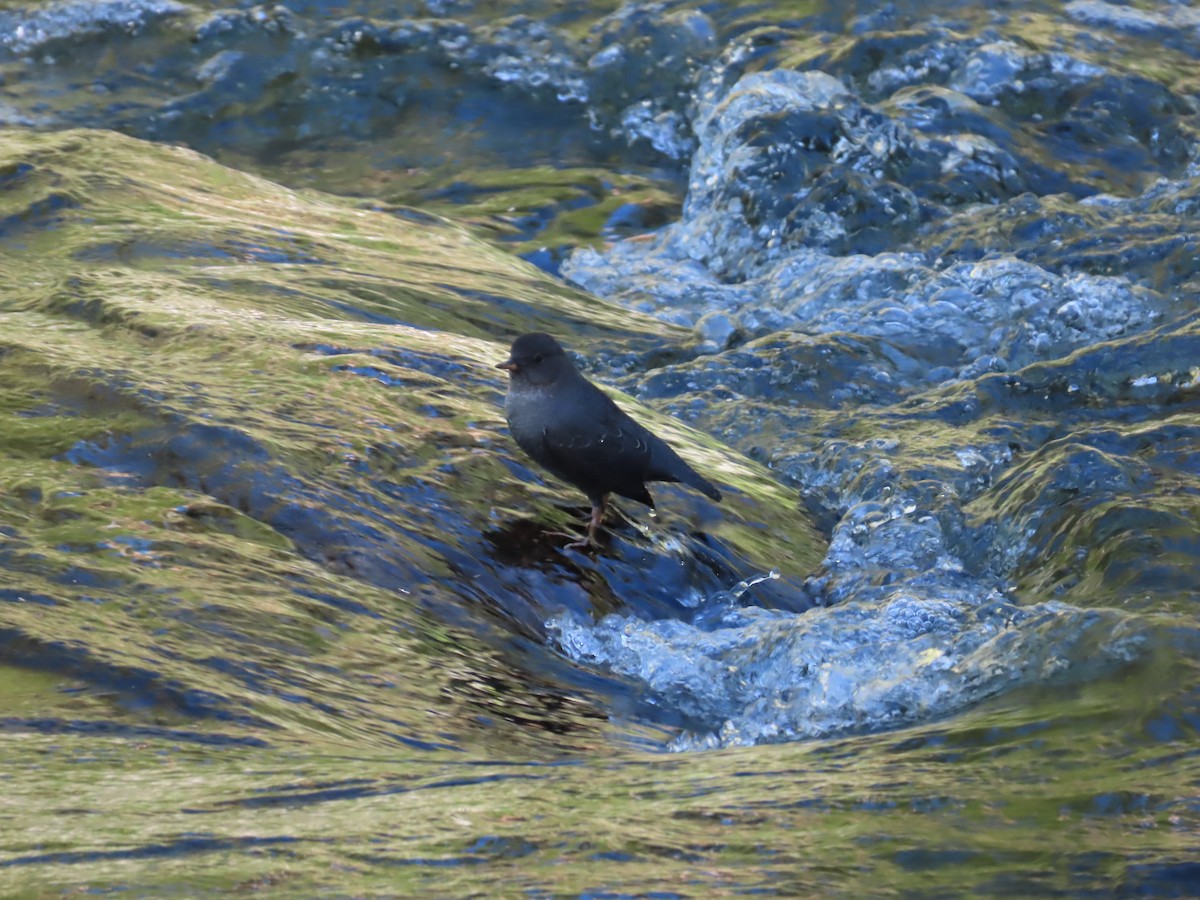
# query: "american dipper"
571,427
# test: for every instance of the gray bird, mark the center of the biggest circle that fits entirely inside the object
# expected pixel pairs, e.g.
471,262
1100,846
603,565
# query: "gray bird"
574,430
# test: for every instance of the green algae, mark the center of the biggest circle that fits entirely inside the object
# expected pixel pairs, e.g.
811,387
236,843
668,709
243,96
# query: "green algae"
165,296
200,701
868,816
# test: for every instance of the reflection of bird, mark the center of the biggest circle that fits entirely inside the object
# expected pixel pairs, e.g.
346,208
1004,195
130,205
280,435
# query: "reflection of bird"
572,428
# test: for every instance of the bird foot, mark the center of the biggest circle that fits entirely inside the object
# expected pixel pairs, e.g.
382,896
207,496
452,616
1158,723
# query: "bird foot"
563,534
589,539
576,541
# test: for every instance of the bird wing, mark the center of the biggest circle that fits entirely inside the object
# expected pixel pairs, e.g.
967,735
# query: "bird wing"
602,452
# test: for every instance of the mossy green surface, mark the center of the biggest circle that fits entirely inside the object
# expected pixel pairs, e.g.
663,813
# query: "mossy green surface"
196,704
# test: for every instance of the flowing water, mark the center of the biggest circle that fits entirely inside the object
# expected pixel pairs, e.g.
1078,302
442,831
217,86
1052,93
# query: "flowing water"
283,609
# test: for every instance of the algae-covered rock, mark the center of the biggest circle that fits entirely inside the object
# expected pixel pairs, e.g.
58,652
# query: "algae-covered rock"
254,469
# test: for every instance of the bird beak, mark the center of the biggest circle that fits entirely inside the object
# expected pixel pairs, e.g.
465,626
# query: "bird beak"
508,365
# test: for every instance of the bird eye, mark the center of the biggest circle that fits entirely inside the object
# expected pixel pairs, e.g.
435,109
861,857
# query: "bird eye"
537,358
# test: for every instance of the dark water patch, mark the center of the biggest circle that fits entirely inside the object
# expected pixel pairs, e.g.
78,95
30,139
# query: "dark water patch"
278,86
174,458
12,174
631,219
185,846
17,595
140,689
924,858
309,794
354,310
41,412
319,795
439,862
80,577
411,64
502,848
1117,803
329,349
138,251
271,680
384,378
259,288
1101,114
101,729
43,214
92,392
341,604
412,743
429,305
439,366
1164,878
416,216
533,223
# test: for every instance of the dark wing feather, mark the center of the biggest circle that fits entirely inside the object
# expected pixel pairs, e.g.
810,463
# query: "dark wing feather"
596,446
610,453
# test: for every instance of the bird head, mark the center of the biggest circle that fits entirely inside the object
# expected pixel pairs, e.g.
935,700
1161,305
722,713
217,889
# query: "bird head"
535,357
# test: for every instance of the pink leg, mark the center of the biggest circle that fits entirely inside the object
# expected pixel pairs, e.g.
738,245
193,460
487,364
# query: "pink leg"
593,525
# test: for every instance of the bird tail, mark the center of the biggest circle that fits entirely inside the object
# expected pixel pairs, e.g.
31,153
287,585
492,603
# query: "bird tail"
669,466
704,486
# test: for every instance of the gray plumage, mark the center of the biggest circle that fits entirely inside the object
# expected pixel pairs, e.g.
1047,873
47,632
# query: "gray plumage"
573,429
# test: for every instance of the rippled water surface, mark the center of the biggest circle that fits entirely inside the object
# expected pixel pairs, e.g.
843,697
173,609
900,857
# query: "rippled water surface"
284,610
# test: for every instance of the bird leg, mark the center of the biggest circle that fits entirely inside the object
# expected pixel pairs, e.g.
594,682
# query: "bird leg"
597,518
